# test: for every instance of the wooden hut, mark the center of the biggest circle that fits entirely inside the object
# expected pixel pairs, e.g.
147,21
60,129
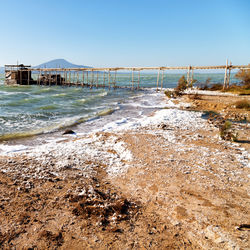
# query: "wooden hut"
18,74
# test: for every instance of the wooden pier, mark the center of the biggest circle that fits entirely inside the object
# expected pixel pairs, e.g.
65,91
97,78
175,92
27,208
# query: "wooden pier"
101,77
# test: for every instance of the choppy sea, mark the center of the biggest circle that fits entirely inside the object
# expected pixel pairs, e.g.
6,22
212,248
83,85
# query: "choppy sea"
37,110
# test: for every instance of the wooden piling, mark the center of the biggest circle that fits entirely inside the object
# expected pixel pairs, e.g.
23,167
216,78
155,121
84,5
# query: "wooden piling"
21,79
60,78
66,77
29,77
162,77
188,76
229,73
45,80
115,77
133,79
109,79
49,78
158,77
138,84
97,79
103,78
39,77
192,78
225,77
92,78
56,76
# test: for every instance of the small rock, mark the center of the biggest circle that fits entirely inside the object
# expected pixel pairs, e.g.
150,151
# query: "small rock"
69,132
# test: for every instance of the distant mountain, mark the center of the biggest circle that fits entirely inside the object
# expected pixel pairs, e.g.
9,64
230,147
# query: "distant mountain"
60,63
57,63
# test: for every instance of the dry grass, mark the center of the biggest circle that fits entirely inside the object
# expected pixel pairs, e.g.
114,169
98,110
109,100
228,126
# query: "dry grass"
196,96
244,104
236,89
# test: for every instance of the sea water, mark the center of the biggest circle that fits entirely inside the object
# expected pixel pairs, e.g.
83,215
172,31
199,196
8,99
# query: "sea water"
34,110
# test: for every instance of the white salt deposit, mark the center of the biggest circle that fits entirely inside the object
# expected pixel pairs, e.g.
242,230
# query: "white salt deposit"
207,92
112,152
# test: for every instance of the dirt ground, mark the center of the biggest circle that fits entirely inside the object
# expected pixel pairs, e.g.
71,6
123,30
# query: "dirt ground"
183,190
226,108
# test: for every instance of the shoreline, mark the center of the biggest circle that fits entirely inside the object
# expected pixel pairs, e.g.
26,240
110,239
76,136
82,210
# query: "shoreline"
183,186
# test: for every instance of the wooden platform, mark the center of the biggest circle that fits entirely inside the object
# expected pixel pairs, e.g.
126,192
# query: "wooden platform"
101,77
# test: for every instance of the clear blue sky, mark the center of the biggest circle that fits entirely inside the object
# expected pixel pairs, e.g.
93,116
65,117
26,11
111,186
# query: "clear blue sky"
125,32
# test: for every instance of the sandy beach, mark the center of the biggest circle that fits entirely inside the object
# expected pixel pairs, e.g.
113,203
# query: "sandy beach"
164,181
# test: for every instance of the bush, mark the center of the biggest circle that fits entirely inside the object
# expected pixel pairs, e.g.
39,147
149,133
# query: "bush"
216,86
235,88
244,75
227,132
244,104
169,93
182,84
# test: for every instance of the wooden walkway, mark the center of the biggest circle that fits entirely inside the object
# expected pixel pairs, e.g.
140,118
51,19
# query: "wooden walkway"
104,77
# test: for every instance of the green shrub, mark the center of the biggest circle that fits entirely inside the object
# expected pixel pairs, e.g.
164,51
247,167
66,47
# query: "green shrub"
227,132
182,84
169,93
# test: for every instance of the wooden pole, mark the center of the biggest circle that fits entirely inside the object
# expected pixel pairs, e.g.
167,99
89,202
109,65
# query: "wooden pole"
60,78
21,76
225,77
49,78
192,78
39,78
56,76
77,77
103,78
158,77
132,78
29,77
45,78
229,73
69,83
188,76
109,79
162,77
92,78
138,84
97,79
87,78
115,79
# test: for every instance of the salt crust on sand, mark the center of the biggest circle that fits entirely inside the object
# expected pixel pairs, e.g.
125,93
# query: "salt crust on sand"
111,151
